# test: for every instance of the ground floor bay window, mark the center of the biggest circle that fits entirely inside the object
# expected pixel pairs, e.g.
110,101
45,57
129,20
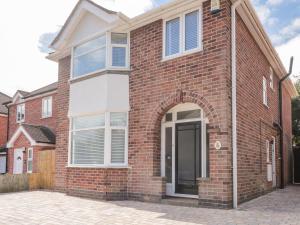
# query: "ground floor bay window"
99,140
184,156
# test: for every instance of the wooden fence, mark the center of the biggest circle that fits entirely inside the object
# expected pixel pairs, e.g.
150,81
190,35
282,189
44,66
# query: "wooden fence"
43,179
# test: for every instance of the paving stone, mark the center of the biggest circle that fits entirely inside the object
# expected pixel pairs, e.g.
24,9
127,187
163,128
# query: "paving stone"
50,208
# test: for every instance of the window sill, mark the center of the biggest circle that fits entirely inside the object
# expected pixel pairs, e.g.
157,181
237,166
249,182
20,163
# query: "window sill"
97,167
46,117
110,70
168,58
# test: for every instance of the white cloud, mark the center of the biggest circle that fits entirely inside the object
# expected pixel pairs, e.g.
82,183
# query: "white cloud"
288,49
263,12
274,2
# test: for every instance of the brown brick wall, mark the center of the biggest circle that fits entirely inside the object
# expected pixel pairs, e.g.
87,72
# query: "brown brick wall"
255,120
156,86
33,114
3,129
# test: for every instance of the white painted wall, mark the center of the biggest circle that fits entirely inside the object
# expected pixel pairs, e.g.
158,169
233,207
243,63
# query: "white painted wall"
87,27
106,93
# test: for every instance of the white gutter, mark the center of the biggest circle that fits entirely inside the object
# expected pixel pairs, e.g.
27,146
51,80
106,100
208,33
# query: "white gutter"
234,97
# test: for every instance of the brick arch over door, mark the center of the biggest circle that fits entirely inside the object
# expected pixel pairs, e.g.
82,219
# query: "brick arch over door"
154,122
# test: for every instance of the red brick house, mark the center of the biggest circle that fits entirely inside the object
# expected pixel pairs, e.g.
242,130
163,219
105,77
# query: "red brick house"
32,127
180,101
3,131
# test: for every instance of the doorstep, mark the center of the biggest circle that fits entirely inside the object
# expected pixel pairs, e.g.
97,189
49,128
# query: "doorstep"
179,201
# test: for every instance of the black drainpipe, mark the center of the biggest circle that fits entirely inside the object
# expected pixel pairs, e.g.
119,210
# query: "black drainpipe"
281,121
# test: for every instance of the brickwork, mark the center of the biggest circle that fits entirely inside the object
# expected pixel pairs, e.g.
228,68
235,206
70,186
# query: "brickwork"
3,129
203,78
255,120
33,114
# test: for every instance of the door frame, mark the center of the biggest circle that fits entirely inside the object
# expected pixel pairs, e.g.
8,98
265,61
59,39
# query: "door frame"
170,188
274,180
14,165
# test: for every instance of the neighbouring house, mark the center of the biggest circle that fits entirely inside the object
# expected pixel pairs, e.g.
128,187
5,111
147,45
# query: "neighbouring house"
3,131
32,128
180,101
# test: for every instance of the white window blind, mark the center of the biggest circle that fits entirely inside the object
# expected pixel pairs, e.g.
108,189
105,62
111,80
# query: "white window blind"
172,37
91,146
191,30
21,113
117,146
88,137
265,95
89,57
119,49
30,160
47,107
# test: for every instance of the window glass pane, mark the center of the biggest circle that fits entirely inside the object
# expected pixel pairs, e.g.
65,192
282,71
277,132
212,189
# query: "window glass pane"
29,165
168,156
119,56
88,147
90,46
118,119
192,114
172,36
88,122
169,117
30,153
118,146
119,38
191,30
90,62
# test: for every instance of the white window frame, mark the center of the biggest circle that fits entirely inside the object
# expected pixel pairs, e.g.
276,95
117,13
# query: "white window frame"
182,50
127,46
271,78
29,159
268,151
108,54
49,113
265,91
107,143
20,108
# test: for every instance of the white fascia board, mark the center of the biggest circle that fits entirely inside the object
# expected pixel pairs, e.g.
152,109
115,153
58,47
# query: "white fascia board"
20,130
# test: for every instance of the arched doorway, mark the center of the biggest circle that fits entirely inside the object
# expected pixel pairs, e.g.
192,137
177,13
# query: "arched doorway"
184,156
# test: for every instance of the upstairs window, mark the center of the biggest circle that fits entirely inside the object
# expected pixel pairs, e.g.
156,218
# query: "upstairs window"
265,92
119,49
89,57
182,34
47,107
107,51
271,78
21,113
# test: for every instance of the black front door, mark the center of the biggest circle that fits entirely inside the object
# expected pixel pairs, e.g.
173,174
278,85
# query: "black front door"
188,157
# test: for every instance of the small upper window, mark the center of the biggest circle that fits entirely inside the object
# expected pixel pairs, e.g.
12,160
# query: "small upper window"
47,107
119,49
89,57
21,113
265,92
271,78
182,34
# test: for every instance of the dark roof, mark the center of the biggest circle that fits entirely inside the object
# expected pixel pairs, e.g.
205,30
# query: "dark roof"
24,93
3,98
48,88
40,134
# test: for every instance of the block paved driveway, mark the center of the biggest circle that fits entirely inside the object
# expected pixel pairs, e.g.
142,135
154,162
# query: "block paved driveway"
280,207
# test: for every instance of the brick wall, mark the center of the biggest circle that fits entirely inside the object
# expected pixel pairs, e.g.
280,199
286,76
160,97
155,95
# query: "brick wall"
157,86
33,115
255,120
3,129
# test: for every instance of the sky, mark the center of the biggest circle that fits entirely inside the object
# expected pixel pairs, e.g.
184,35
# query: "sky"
27,28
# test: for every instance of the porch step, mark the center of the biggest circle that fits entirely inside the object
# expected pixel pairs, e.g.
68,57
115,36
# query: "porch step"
176,201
